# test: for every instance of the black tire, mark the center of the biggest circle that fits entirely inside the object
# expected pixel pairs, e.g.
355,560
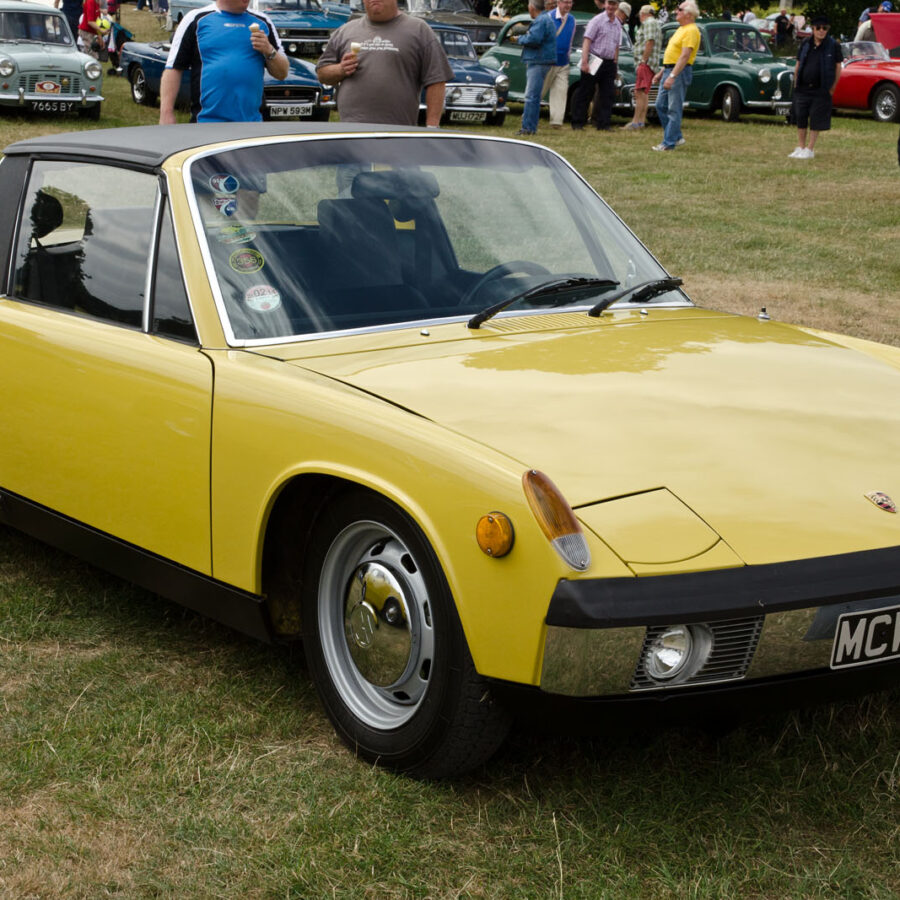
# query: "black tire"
91,112
731,104
886,103
140,93
495,119
385,647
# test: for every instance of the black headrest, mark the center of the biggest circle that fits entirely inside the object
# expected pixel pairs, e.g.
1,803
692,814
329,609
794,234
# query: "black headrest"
46,215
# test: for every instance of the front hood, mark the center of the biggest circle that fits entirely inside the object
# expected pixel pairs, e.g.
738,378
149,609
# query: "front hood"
28,57
470,71
769,434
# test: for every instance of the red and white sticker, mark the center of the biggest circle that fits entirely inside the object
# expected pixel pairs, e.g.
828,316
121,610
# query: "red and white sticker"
47,87
262,298
224,183
225,205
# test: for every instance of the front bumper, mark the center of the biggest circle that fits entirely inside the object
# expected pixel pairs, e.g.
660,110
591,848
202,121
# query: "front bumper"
765,622
20,98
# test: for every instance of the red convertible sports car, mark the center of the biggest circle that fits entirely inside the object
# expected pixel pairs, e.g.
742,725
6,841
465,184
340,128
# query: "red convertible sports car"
870,80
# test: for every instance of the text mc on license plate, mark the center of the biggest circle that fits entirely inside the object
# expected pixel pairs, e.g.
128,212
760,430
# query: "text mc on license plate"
866,637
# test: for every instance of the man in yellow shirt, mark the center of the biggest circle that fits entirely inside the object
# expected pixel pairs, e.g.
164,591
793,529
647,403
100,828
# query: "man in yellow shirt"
676,74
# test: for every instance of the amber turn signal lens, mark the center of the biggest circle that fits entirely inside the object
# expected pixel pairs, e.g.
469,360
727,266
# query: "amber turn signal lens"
557,520
494,533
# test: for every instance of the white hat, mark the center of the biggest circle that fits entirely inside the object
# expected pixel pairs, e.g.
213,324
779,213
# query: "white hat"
626,8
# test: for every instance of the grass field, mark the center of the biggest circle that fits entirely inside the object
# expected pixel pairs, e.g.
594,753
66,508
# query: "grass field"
147,753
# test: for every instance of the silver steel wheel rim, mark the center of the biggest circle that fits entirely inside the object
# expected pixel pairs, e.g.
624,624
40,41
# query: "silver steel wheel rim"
360,634
139,85
886,104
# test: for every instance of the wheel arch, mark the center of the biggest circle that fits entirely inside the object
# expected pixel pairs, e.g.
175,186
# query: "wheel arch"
884,82
719,92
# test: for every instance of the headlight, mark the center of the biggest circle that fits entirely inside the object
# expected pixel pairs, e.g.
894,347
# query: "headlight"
765,75
7,67
93,70
492,36
501,82
453,95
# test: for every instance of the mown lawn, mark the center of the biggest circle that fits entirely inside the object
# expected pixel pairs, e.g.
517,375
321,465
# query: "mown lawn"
147,753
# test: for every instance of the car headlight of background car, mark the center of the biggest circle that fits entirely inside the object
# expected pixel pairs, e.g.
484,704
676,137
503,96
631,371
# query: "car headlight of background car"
7,67
93,70
501,82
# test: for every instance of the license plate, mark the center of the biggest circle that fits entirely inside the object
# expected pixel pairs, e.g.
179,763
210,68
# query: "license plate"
310,48
782,109
467,116
299,109
866,637
52,106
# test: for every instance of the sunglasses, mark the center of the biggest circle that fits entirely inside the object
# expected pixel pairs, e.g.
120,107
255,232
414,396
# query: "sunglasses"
820,27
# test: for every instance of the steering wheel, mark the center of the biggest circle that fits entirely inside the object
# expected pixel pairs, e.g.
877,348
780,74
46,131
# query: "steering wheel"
501,270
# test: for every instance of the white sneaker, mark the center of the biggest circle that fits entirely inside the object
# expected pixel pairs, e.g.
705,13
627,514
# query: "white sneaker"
797,153
808,154
680,142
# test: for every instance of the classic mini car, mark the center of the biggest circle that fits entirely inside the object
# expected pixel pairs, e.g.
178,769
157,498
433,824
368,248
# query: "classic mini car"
304,26
295,377
299,96
506,56
40,69
870,79
736,71
482,30
476,94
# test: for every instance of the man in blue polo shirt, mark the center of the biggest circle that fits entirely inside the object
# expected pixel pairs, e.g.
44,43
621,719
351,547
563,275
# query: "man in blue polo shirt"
227,50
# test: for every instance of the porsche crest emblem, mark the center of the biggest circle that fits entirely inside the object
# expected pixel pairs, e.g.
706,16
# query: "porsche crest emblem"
882,501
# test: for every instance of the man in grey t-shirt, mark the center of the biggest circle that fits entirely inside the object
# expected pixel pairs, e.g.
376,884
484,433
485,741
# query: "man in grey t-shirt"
381,62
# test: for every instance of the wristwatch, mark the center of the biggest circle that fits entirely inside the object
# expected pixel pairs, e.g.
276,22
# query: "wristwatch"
272,55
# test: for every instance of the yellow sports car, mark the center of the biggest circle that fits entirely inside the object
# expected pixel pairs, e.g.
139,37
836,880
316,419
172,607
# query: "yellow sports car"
423,400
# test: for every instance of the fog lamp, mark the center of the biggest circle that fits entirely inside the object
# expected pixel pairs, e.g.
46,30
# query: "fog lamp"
454,95
495,535
677,652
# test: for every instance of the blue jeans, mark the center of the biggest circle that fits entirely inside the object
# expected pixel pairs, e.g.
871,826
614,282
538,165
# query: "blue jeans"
670,104
535,73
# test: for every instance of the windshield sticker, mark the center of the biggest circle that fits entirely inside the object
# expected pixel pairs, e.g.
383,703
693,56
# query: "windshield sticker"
262,298
225,205
235,234
224,184
246,261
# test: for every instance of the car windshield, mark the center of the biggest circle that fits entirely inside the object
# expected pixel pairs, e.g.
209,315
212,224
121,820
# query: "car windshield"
864,50
421,6
457,44
307,237
728,41
44,28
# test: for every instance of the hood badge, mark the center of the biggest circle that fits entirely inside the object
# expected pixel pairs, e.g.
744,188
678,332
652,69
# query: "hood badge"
882,501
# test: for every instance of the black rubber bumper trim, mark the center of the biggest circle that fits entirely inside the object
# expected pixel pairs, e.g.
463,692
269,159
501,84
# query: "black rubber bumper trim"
725,593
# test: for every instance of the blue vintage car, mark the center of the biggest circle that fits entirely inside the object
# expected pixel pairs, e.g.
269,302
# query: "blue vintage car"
40,69
299,96
304,26
476,94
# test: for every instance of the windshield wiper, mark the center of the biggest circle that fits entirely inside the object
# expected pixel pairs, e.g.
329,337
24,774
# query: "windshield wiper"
554,286
639,293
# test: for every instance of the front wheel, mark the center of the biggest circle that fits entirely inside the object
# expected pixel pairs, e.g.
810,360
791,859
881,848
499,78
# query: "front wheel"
886,103
495,119
385,645
140,92
91,112
731,104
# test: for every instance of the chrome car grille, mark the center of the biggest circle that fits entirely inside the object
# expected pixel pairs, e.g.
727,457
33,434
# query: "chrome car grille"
68,84
319,35
470,95
298,93
734,643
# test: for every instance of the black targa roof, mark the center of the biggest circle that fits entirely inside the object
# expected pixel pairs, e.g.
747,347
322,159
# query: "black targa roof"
150,145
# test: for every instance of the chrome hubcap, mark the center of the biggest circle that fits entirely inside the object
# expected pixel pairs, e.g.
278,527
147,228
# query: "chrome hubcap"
375,624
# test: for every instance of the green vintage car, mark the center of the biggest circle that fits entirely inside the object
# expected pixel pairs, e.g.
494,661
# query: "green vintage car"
735,71
506,55
40,69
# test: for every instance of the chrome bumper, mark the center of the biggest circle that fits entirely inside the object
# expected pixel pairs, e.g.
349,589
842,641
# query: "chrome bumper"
771,621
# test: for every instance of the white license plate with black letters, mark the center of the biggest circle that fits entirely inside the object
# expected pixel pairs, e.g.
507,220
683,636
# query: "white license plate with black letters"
866,637
291,110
